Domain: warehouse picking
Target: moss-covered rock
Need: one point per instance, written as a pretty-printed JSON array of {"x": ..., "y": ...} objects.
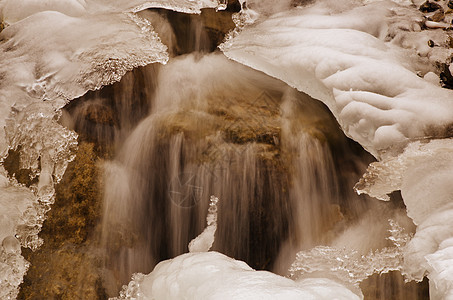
[{"x": 67, "y": 266}]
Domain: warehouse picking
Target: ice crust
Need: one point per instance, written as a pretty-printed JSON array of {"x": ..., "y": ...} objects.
[
  {"x": 361, "y": 61},
  {"x": 204, "y": 241},
  {"x": 14, "y": 10},
  {"x": 14, "y": 203},
  {"x": 211, "y": 275},
  {"x": 423, "y": 173},
  {"x": 348, "y": 266}
]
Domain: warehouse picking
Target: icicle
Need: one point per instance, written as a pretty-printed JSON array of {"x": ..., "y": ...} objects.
[
  {"x": 201, "y": 243},
  {"x": 204, "y": 241},
  {"x": 348, "y": 266}
]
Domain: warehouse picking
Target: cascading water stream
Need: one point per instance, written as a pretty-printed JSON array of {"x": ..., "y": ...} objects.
[
  {"x": 274, "y": 155},
  {"x": 172, "y": 163}
]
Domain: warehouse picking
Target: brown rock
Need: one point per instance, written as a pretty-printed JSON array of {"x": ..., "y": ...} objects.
[
  {"x": 430, "y": 7},
  {"x": 438, "y": 16},
  {"x": 67, "y": 267}
]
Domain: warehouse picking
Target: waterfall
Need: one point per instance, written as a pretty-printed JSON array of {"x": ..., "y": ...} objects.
[
  {"x": 275, "y": 157},
  {"x": 162, "y": 178},
  {"x": 243, "y": 124}
]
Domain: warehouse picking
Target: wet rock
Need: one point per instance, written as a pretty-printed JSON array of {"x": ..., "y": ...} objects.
[
  {"x": 66, "y": 274},
  {"x": 429, "y": 7},
  {"x": 202, "y": 32},
  {"x": 12, "y": 166},
  {"x": 217, "y": 25},
  {"x": 258, "y": 121},
  {"x": 446, "y": 77},
  {"x": 450, "y": 42},
  {"x": 100, "y": 114},
  {"x": 437, "y": 16},
  {"x": 234, "y": 6},
  {"x": 392, "y": 286}
]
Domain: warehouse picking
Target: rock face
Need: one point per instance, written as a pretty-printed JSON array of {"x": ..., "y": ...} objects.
[
  {"x": 428, "y": 7},
  {"x": 106, "y": 116},
  {"x": 67, "y": 265}
]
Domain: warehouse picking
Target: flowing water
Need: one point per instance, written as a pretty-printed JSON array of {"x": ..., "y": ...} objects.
[{"x": 203, "y": 125}]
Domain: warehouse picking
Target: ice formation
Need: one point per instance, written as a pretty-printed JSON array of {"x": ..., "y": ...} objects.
[
  {"x": 211, "y": 275},
  {"x": 348, "y": 266},
  {"x": 423, "y": 174},
  {"x": 14, "y": 11},
  {"x": 204, "y": 241}
]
